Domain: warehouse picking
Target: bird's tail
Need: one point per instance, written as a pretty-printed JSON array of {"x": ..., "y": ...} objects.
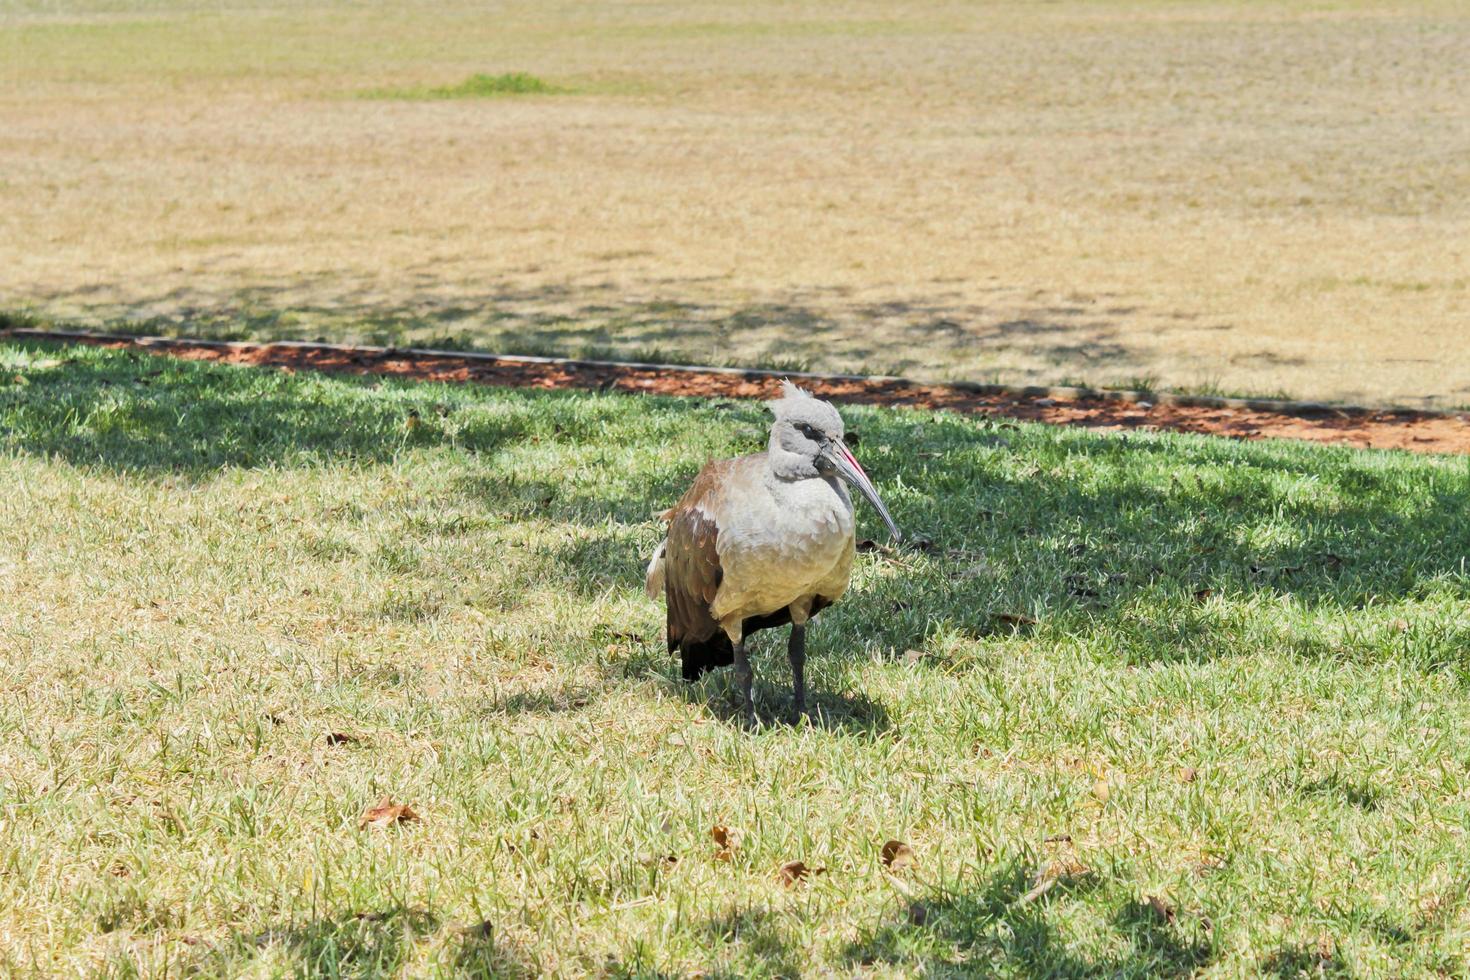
[{"x": 653, "y": 581}]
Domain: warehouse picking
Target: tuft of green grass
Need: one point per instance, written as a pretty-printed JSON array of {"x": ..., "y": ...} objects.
[
  {"x": 477, "y": 86},
  {"x": 1146, "y": 705}
]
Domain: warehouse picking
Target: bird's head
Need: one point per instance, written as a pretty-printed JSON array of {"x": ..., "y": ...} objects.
[{"x": 807, "y": 440}]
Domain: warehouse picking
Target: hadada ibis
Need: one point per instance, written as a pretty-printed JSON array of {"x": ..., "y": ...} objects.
[{"x": 761, "y": 541}]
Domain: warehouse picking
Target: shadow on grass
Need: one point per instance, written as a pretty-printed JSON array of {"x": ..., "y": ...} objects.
[
  {"x": 846, "y": 712},
  {"x": 128, "y": 411},
  {"x": 1153, "y": 547},
  {"x": 480, "y": 957},
  {"x": 756, "y": 937},
  {"x": 1304, "y": 961},
  {"x": 567, "y": 699},
  {"x": 799, "y": 331},
  {"x": 1336, "y": 787},
  {"x": 988, "y": 930},
  {"x": 992, "y": 929},
  {"x": 365, "y": 944},
  {"x": 361, "y": 944}
]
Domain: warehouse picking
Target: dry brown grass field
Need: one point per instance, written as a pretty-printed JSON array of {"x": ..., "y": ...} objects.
[{"x": 1247, "y": 197}]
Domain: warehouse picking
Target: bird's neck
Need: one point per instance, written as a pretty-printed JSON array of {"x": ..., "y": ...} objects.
[
  {"x": 794, "y": 481},
  {"x": 786, "y": 467}
]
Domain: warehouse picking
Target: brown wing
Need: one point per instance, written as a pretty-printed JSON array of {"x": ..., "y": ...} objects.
[{"x": 692, "y": 573}]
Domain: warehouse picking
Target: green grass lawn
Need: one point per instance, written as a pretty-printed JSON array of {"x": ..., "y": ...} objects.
[{"x": 1209, "y": 696}]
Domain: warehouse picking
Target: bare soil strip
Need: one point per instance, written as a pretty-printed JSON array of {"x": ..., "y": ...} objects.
[{"x": 1392, "y": 428}]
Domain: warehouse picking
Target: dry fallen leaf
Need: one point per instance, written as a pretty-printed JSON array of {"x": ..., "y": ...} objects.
[
  {"x": 1402, "y": 625},
  {"x": 386, "y": 814},
  {"x": 723, "y": 841},
  {"x": 897, "y": 855},
  {"x": 793, "y": 871},
  {"x": 341, "y": 738},
  {"x": 1200, "y": 595},
  {"x": 1188, "y": 774},
  {"x": 913, "y": 656},
  {"x": 1102, "y": 790}
]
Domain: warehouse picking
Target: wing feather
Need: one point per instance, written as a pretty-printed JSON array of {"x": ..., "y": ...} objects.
[{"x": 692, "y": 573}]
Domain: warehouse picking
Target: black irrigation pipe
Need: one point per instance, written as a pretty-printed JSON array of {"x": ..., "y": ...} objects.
[{"x": 1032, "y": 393}]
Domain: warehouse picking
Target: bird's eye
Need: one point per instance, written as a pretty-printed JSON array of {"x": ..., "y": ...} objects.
[{"x": 807, "y": 430}]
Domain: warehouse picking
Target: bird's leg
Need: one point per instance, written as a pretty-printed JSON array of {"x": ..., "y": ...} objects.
[
  {"x": 745, "y": 681},
  {"x": 801, "y": 610},
  {"x": 796, "y": 652},
  {"x": 744, "y": 675}
]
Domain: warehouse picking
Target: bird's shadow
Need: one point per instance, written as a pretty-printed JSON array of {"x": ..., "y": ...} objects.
[{"x": 831, "y": 711}]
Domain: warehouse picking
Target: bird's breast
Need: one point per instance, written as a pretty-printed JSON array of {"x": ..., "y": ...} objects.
[{"x": 800, "y": 538}]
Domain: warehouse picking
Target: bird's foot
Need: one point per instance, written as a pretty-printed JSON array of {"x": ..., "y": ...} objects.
[
  {"x": 745, "y": 707},
  {"x": 799, "y": 711}
]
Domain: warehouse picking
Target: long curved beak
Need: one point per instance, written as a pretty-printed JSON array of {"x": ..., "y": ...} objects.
[{"x": 847, "y": 467}]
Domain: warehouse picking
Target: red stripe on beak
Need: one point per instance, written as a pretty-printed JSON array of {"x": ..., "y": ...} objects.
[
  {"x": 852, "y": 471},
  {"x": 847, "y": 453}
]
